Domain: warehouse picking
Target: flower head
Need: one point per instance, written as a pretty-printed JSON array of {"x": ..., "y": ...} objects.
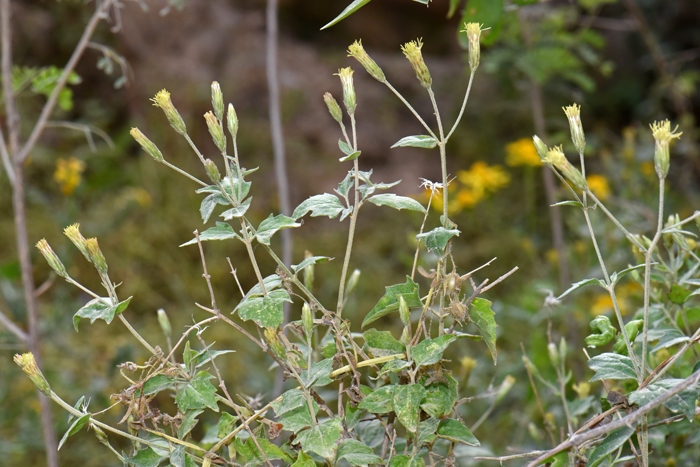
[
  {"x": 51, "y": 257},
  {"x": 573, "y": 113},
  {"x": 555, "y": 157},
  {"x": 333, "y": 107},
  {"x": 146, "y": 144},
  {"x": 28, "y": 364},
  {"x": 216, "y": 130},
  {"x": 663, "y": 135},
  {"x": 217, "y": 100},
  {"x": 232, "y": 121},
  {"x": 349, "y": 98},
  {"x": 358, "y": 52},
  {"x": 412, "y": 51},
  {"x": 74, "y": 235},
  {"x": 162, "y": 100},
  {"x": 68, "y": 174},
  {"x": 473, "y": 31},
  {"x": 96, "y": 256},
  {"x": 522, "y": 152}
]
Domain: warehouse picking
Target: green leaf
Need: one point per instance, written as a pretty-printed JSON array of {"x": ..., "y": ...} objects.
[
  {"x": 406, "y": 404},
  {"x": 352, "y": 8},
  {"x": 46, "y": 80},
  {"x": 426, "y": 431},
  {"x": 209, "y": 203},
  {"x": 436, "y": 240},
  {"x": 266, "y": 311},
  {"x": 611, "y": 366},
  {"x": 188, "y": 354},
  {"x": 417, "y": 141},
  {"x": 456, "y": 432},
  {"x": 178, "y": 456},
  {"x": 158, "y": 383},
  {"x": 396, "y": 202},
  {"x": 558, "y": 460},
  {"x": 357, "y": 453},
  {"x": 74, "y": 428},
  {"x": 304, "y": 461},
  {"x": 393, "y": 366},
  {"x": 320, "y": 205},
  {"x": 197, "y": 394},
  {"x": 481, "y": 314},
  {"x": 678, "y": 294},
  {"x": 271, "y": 225},
  {"x": 253, "y": 455},
  {"x": 189, "y": 422},
  {"x": 614, "y": 440},
  {"x": 453, "y": 8},
  {"x": 210, "y": 355},
  {"x": 145, "y": 458},
  {"x": 616, "y": 276},
  {"x": 379, "y": 401},
  {"x": 346, "y": 184},
  {"x": 567, "y": 203},
  {"x": 390, "y": 301},
  {"x": 79, "y": 407},
  {"x": 440, "y": 397},
  {"x": 296, "y": 268},
  {"x": 486, "y": 12},
  {"x": 429, "y": 351},
  {"x": 291, "y": 400},
  {"x": 683, "y": 402},
  {"x": 322, "y": 439},
  {"x": 318, "y": 374},
  {"x": 293, "y": 410},
  {"x": 238, "y": 211},
  {"x": 350, "y": 157},
  {"x": 382, "y": 343},
  {"x": 667, "y": 337},
  {"x": 353, "y": 415},
  {"x": 580, "y": 284},
  {"x": 272, "y": 282},
  {"x": 405, "y": 461},
  {"x": 222, "y": 231},
  {"x": 345, "y": 147},
  {"x": 100, "y": 308}
]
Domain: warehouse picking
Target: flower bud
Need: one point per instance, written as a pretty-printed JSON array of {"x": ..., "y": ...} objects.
[
  {"x": 73, "y": 233},
  {"x": 562, "y": 348},
  {"x": 101, "y": 436},
  {"x": 164, "y": 322},
  {"x": 28, "y": 364},
  {"x": 556, "y": 157},
  {"x": 573, "y": 113},
  {"x": 413, "y": 53},
  {"x": 217, "y": 100},
  {"x": 232, "y": 121},
  {"x": 358, "y": 52},
  {"x": 212, "y": 171},
  {"x": 333, "y": 107},
  {"x": 96, "y": 256},
  {"x": 541, "y": 148},
  {"x": 553, "y": 353},
  {"x": 405, "y": 337},
  {"x": 404, "y": 312},
  {"x": 473, "y": 31},
  {"x": 307, "y": 321},
  {"x": 216, "y": 130},
  {"x": 534, "y": 432},
  {"x": 352, "y": 282},
  {"x": 51, "y": 258},
  {"x": 349, "y": 98},
  {"x": 663, "y": 135},
  {"x": 146, "y": 144},
  {"x": 275, "y": 344},
  {"x": 505, "y": 388},
  {"x": 162, "y": 100},
  {"x": 309, "y": 272}
]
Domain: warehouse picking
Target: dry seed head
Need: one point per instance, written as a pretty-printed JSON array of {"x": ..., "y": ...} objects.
[
  {"x": 663, "y": 135},
  {"x": 358, "y": 52},
  {"x": 573, "y": 113},
  {"x": 162, "y": 100},
  {"x": 216, "y": 130},
  {"x": 73, "y": 233},
  {"x": 232, "y": 121},
  {"x": 473, "y": 31},
  {"x": 412, "y": 51},
  {"x": 28, "y": 364},
  {"x": 217, "y": 100},
  {"x": 51, "y": 257},
  {"x": 349, "y": 98},
  {"x": 146, "y": 144},
  {"x": 96, "y": 256},
  {"x": 333, "y": 107}
]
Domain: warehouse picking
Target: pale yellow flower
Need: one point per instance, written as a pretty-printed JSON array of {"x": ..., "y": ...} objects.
[
  {"x": 522, "y": 152},
  {"x": 599, "y": 186},
  {"x": 68, "y": 174}
]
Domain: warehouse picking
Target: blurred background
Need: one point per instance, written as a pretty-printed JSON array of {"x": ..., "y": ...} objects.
[{"x": 626, "y": 62}]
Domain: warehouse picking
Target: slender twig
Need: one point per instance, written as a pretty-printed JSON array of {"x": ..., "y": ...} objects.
[
  {"x": 656, "y": 374},
  {"x": 6, "y": 162},
  {"x": 500, "y": 279},
  {"x": 410, "y": 107},
  {"x": 100, "y": 14},
  {"x": 625, "y": 421},
  {"x": 13, "y": 328},
  {"x": 511, "y": 457},
  {"x": 464, "y": 105},
  {"x": 186, "y": 174},
  {"x": 88, "y": 130}
]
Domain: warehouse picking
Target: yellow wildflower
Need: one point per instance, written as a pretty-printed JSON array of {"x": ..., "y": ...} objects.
[
  {"x": 601, "y": 304},
  {"x": 482, "y": 178},
  {"x": 68, "y": 174},
  {"x": 522, "y": 152},
  {"x": 599, "y": 186}
]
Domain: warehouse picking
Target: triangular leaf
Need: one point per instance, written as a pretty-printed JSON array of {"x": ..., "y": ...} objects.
[
  {"x": 390, "y": 301},
  {"x": 611, "y": 366},
  {"x": 197, "y": 394},
  {"x": 396, "y": 202},
  {"x": 238, "y": 211},
  {"x": 429, "y": 351},
  {"x": 406, "y": 403},
  {"x": 481, "y": 314},
  {"x": 417, "y": 141},
  {"x": 357, "y": 453},
  {"x": 352, "y": 8},
  {"x": 271, "y": 225},
  {"x": 222, "y": 231},
  {"x": 614, "y": 440},
  {"x": 322, "y": 439},
  {"x": 382, "y": 343},
  {"x": 100, "y": 308},
  {"x": 145, "y": 458},
  {"x": 296, "y": 268},
  {"x": 436, "y": 240},
  {"x": 319, "y": 205},
  {"x": 266, "y": 311},
  {"x": 74, "y": 428},
  {"x": 455, "y": 431}
]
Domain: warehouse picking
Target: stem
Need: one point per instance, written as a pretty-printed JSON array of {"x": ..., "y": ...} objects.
[
  {"x": 138, "y": 337},
  {"x": 398, "y": 94},
  {"x": 464, "y": 105},
  {"x": 251, "y": 255},
  {"x": 178, "y": 169},
  {"x": 617, "y": 223}
]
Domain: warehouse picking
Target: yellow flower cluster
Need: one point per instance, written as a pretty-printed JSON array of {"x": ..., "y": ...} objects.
[
  {"x": 599, "y": 186},
  {"x": 522, "y": 152},
  {"x": 473, "y": 186},
  {"x": 68, "y": 174}
]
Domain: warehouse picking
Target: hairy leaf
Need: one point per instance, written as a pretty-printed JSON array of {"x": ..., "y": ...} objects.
[
  {"x": 481, "y": 314},
  {"x": 197, "y": 394},
  {"x": 390, "y": 301},
  {"x": 357, "y": 453},
  {"x": 319, "y": 205},
  {"x": 382, "y": 343},
  {"x": 380, "y": 401},
  {"x": 323, "y": 438},
  {"x": 74, "y": 428},
  {"x": 158, "y": 383},
  {"x": 145, "y": 458},
  {"x": 266, "y": 311},
  {"x": 436, "y": 240},
  {"x": 304, "y": 461},
  {"x": 222, "y": 231},
  {"x": 406, "y": 403},
  {"x": 454, "y": 431},
  {"x": 614, "y": 440},
  {"x": 429, "y": 351},
  {"x": 272, "y": 225},
  {"x": 611, "y": 366},
  {"x": 318, "y": 374},
  {"x": 100, "y": 308},
  {"x": 396, "y": 202},
  {"x": 296, "y": 268},
  {"x": 683, "y": 402},
  {"x": 426, "y": 431},
  {"x": 405, "y": 461},
  {"x": 238, "y": 211},
  {"x": 189, "y": 422},
  {"x": 352, "y": 8},
  {"x": 417, "y": 141},
  {"x": 580, "y": 284}
]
